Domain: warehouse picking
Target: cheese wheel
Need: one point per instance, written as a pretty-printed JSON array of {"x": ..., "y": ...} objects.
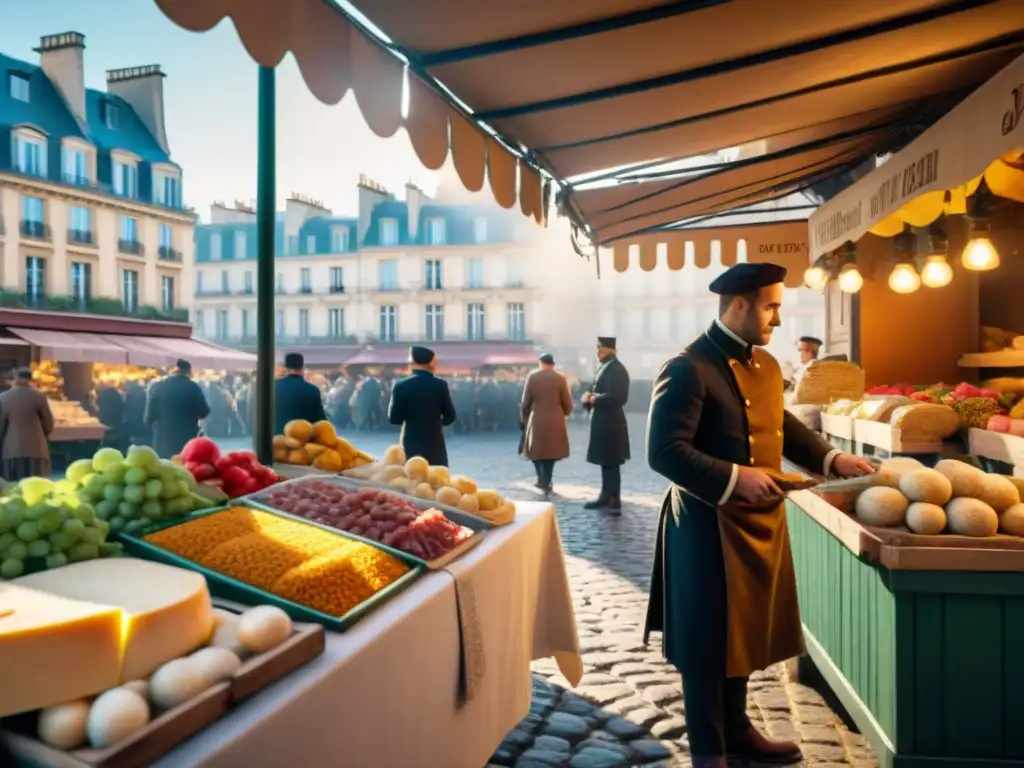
[
  {"x": 167, "y": 610},
  {"x": 54, "y": 650}
]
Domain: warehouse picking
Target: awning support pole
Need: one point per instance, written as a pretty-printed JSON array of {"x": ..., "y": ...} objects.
[{"x": 266, "y": 204}]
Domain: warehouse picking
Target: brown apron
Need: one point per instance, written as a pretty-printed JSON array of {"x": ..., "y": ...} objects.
[{"x": 763, "y": 615}]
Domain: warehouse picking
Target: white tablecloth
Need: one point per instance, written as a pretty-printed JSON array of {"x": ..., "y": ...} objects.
[{"x": 385, "y": 693}]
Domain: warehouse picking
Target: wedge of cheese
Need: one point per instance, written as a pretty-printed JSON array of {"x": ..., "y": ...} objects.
[
  {"x": 167, "y": 611},
  {"x": 54, "y": 650}
]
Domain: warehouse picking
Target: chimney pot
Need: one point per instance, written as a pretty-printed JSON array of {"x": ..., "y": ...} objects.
[
  {"x": 143, "y": 89},
  {"x": 61, "y": 40},
  {"x": 61, "y": 59}
]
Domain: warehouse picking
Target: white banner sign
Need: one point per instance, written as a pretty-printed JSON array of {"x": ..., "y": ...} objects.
[{"x": 959, "y": 147}]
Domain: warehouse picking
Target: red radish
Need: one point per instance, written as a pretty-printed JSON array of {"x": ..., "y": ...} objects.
[{"x": 200, "y": 450}]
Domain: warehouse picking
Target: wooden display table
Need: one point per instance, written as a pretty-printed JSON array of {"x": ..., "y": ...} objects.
[
  {"x": 921, "y": 643},
  {"x": 69, "y": 442}
]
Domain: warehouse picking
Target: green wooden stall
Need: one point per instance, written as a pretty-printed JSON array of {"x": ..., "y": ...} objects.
[{"x": 929, "y": 662}]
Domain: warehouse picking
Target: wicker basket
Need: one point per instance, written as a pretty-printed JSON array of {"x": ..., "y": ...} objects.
[{"x": 828, "y": 380}]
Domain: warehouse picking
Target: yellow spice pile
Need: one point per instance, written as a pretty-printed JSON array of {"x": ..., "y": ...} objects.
[{"x": 292, "y": 560}]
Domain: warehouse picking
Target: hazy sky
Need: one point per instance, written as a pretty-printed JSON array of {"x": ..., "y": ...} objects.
[{"x": 210, "y": 104}]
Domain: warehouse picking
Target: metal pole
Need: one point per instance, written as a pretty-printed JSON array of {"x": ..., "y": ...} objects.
[{"x": 266, "y": 204}]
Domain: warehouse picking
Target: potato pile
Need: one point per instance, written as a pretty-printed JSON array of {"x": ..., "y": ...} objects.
[
  {"x": 317, "y": 445},
  {"x": 952, "y": 498},
  {"x": 415, "y": 477}
]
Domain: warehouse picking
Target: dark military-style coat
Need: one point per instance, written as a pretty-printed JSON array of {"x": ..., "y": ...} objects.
[
  {"x": 609, "y": 434},
  {"x": 701, "y": 424},
  {"x": 422, "y": 404}
]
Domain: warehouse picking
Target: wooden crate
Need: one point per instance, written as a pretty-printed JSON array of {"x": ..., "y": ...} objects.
[
  {"x": 996, "y": 446},
  {"x": 883, "y": 436},
  {"x": 927, "y": 663}
]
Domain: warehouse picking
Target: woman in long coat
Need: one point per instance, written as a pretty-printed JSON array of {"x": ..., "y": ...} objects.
[
  {"x": 25, "y": 424},
  {"x": 545, "y": 406}
]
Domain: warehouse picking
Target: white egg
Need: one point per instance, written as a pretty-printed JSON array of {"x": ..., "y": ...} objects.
[
  {"x": 222, "y": 616},
  {"x": 263, "y": 627},
  {"x": 63, "y": 726},
  {"x": 226, "y": 636},
  {"x": 138, "y": 687},
  {"x": 215, "y": 664},
  {"x": 115, "y": 716},
  {"x": 175, "y": 682}
]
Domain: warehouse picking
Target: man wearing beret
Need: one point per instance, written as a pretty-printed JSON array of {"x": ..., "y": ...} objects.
[
  {"x": 723, "y": 590},
  {"x": 294, "y": 397},
  {"x": 609, "y": 434},
  {"x": 422, "y": 404}
]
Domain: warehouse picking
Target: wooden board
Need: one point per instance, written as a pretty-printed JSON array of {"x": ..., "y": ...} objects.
[
  {"x": 854, "y": 536},
  {"x": 999, "y": 447},
  {"x": 179, "y": 724},
  {"x": 837, "y": 426},
  {"x": 889, "y": 438}
]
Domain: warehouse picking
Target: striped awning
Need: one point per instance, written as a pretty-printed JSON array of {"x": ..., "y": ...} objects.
[{"x": 521, "y": 93}]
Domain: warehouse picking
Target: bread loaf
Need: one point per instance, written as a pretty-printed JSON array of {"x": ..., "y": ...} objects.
[
  {"x": 880, "y": 408},
  {"x": 925, "y": 422}
]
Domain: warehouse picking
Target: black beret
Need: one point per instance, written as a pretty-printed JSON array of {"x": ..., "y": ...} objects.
[
  {"x": 747, "y": 278},
  {"x": 421, "y": 355},
  {"x": 293, "y": 361},
  {"x": 547, "y": 358},
  {"x": 811, "y": 340},
  {"x": 606, "y": 341}
]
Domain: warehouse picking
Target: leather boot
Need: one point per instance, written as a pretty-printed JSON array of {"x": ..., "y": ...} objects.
[
  {"x": 719, "y": 761},
  {"x": 599, "y": 503},
  {"x": 614, "y": 504},
  {"x": 752, "y": 746}
]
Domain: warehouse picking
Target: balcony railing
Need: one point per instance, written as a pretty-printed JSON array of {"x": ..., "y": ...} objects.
[
  {"x": 131, "y": 247},
  {"x": 93, "y": 305},
  {"x": 337, "y": 289},
  {"x": 80, "y": 237},
  {"x": 35, "y": 230},
  {"x": 166, "y": 253},
  {"x": 306, "y": 289}
]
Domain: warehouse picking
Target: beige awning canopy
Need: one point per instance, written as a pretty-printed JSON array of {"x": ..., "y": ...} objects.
[{"x": 576, "y": 87}]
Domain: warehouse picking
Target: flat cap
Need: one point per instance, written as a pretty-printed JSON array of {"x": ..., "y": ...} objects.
[
  {"x": 811, "y": 340},
  {"x": 421, "y": 355},
  {"x": 606, "y": 341},
  {"x": 547, "y": 358},
  {"x": 747, "y": 278}
]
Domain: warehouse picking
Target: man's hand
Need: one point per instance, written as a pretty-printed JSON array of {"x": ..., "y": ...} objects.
[
  {"x": 588, "y": 398},
  {"x": 851, "y": 465},
  {"x": 755, "y": 485}
]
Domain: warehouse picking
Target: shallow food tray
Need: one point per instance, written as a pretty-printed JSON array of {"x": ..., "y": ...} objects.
[
  {"x": 176, "y": 725},
  {"x": 232, "y": 589},
  {"x": 478, "y": 525}
]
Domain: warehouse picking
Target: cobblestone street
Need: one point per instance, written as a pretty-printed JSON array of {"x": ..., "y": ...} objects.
[{"x": 628, "y": 709}]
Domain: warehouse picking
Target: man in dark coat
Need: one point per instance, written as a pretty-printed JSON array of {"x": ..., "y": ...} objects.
[
  {"x": 422, "y": 404},
  {"x": 723, "y": 590},
  {"x": 174, "y": 408},
  {"x": 294, "y": 397},
  {"x": 609, "y": 434}
]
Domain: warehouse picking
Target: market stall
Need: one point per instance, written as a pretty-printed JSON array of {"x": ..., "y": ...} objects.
[{"x": 912, "y": 592}]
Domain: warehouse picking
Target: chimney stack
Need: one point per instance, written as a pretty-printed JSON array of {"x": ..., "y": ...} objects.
[
  {"x": 143, "y": 89},
  {"x": 61, "y": 57}
]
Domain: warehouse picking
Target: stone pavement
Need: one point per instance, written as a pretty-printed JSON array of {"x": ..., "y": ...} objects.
[{"x": 628, "y": 709}]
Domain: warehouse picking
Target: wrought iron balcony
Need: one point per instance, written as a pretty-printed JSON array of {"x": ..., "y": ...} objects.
[
  {"x": 166, "y": 253},
  {"x": 35, "y": 230},
  {"x": 80, "y": 237},
  {"x": 131, "y": 247}
]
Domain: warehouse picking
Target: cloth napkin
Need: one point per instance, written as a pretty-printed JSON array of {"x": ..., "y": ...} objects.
[{"x": 473, "y": 664}]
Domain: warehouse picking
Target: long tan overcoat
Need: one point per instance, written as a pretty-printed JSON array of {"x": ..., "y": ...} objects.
[
  {"x": 546, "y": 404},
  {"x": 25, "y": 423}
]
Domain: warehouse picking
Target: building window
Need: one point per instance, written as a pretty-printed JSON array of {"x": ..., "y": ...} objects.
[
  {"x": 279, "y": 323},
  {"x": 388, "y": 323},
  {"x": 167, "y": 293},
  {"x": 167, "y": 190},
  {"x": 240, "y": 245},
  {"x": 248, "y": 281},
  {"x": 125, "y": 178},
  {"x": 280, "y": 282},
  {"x": 111, "y": 115},
  {"x": 215, "y": 244},
  {"x": 245, "y": 324},
  {"x": 222, "y": 324},
  {"x": 517, "y": 321},
  {"x": 480, "y": 229},
  {"x": 434, "y": 282},
  {"x": 336, "y": 323},
  {"x": 388, "y": 232},
  {"x": 199, "y": 282},
  {"x": 388, "y": 269},
  {"x": 19, "y": 87},
  {"x": 81, "y": 283},
  {"x": 435, "y": 231},
  {"x": 81, "y": 225},
  {"x": 130, "y": 290},
  {"x": 33, "y": 209},
  {"x": 75, "y": 165},
  {"x": 475, "y": 329},
  {"x": 29, "y": 155},
  {"x": 129, "y": 229},
  {"x": 167, "y": 243},
  {"x": 435, "y": 322},
  {"x": 201, "y": 322},
  {"x": 513, "y": 273},
  {"x": 225, "y": 281},
  {"x": 475, "y": 273},
  {"x": 310, "y": 244},
  {"x": 341, "y": 240},
  {"x": 305, "y": 280},
  {"x": 35, "y": 279},
  {"x": 337, "y": 280},
  {"x": 304, "y": 323}
]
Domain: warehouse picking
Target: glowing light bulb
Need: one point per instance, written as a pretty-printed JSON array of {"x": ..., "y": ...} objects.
[
  {"x": 936, "y": 272},
  {"x": 850, "y": 280},
  {"x": 904, "y": 279},
  {"x": 815, "y": 278},
  {"x": 979, "y": 254}
]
